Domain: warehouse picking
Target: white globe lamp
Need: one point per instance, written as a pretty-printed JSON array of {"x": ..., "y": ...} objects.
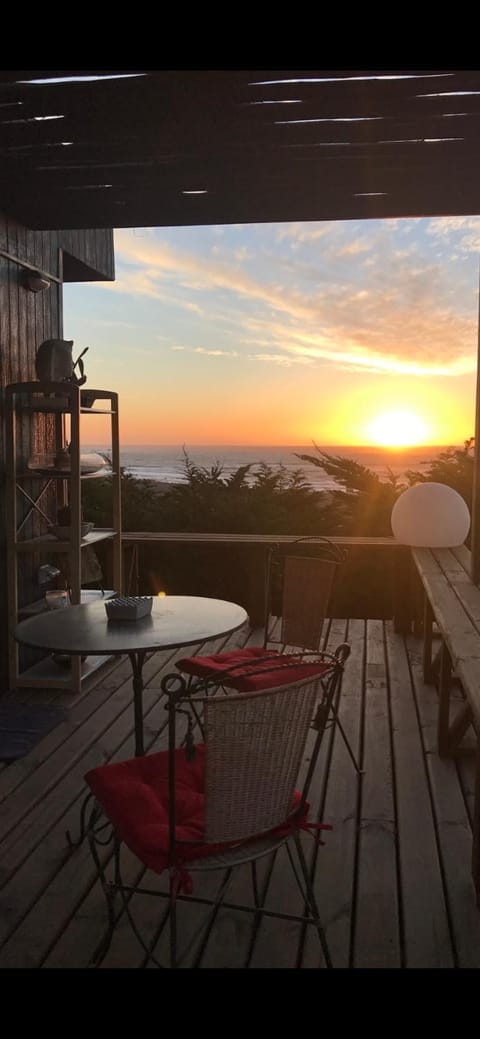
[{"x": 430, "y": 515}]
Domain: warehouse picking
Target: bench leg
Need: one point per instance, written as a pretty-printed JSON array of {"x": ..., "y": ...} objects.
[
  {"x": 445, "y": 678},
  {"x": 459, "y": 726},
  {"x": 476, "y": 830},
  {"x": 449, "y": 735},
  {"x": 427, "y": 641}
]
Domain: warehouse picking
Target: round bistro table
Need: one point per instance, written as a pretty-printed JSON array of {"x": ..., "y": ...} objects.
[{"x": 175, "y": 620}]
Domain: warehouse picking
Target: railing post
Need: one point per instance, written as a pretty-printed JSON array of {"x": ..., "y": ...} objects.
[
  {"x": 403, "y": 591},
  {"x": 255, "y": 583}
]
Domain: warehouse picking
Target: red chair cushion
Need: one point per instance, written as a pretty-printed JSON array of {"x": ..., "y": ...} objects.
[
  {"x": 253, "y": 669},
  {"x": 134, "y": 796},
  {"x": 218, "y": 662}
]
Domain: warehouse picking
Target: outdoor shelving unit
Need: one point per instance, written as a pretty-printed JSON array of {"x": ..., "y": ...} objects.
[{"x": 33, "y": 497}]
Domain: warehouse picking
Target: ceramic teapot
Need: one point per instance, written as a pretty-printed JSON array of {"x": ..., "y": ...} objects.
[{"x": 54, "y": 362}]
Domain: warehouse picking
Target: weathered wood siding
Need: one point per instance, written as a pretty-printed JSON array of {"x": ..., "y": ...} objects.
[{"x": 26, "y": 319}]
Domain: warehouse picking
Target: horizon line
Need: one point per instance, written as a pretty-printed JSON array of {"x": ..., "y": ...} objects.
[{"x": 395, "y": 449}]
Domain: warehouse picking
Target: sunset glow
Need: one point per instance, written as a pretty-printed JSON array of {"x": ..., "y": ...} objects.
[
  {"x": 398, "y": 429},
  {"x": 343, "y": 332}
]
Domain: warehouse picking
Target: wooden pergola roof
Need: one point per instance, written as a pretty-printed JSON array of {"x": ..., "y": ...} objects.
[
  {"x": 179, "y": 147},
  {"x": 106, "y": 148}
]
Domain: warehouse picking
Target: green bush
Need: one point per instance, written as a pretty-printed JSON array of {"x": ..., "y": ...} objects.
[{"x": 261, "y": 499}]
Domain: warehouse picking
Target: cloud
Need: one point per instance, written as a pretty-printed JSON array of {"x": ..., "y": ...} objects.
[
  {"x": 284, "y": 360},
  {"x": 446, "y": 225},
  {"x": 244, "y": 253},
  {"x": 359, "y": 245},
  {"x": 204, "y": 350},
  {"x": 105, "y": 323},
  {"x": 463, "y": 230},
  {"x": 193, "y": 307},
  {"x": 300, "y": 233},
  {"x": 201, "y": 274},
  {"x": 214, "y": 353},
  {"x": 403, "y": 316},
  {"x": 134, "y": 283}
]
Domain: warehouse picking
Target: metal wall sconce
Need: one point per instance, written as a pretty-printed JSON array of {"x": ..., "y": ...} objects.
[{"x": 36, "y": 282}]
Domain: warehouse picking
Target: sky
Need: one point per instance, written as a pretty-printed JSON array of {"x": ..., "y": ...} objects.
[{"x": 346, "y": 333}]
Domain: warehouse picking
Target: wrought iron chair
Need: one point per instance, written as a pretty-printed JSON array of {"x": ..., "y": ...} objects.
[
  {"x": 298, "y": 593},
  {"x": 224, "y": 802}
]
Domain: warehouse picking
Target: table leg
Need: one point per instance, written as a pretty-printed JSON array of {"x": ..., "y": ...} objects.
[{"x": 137, "y": 661}]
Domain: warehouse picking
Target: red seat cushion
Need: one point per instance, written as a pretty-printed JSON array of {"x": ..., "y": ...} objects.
[
  {"x": 218, "y": 662},
  {"x": 249, "y": 670},
  {"x": 134, "y": 796}
]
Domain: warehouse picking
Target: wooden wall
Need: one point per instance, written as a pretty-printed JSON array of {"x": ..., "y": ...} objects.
[{"x": 26, "y": 319}]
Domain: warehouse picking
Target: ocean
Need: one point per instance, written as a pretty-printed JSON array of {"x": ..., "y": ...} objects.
[{"x": 165, "y": 463}]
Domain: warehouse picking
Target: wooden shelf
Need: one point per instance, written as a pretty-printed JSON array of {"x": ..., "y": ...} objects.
[
  {"x": 46, "y": 674},
  {"x": 61, "y": 474},
  {"x": 97, "y": 411},
  {"x": 87, "y": 595},
  {"x": 61, "y": 406},
  {"x": 50, "y": 543},
  {"x": 43, "y": 493},
  {"x": 60, "y": 397}
]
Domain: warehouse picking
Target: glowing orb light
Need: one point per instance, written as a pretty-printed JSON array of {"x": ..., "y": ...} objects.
[{"x": 431, "y": 515}]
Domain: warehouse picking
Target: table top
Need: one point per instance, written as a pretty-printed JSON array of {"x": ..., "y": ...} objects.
[{"x": 175, "y": 620}]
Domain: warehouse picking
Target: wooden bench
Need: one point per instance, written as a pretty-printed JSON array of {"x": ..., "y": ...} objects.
[{"x": 453, "y": 602}]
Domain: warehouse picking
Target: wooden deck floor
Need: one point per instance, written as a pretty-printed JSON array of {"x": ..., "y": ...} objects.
[{"x": 393, "y": 879}]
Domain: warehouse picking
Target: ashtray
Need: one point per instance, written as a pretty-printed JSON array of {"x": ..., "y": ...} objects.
[{"x": 131, "y": 608}]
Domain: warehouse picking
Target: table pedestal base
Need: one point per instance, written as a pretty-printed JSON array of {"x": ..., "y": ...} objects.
[{"x": 137, "y": 660}]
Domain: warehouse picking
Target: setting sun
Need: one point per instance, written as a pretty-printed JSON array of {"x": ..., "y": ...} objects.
[{"x": 398, "y": 429}]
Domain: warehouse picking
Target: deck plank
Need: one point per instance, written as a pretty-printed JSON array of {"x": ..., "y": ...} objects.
[
  {"x": 335, "y": 873},
  {"x": 393, "y": 879},
  {"x": 452, "y": 824},
  {"x": 425, "y": 925},
  {"x": 377, "y": 925}
]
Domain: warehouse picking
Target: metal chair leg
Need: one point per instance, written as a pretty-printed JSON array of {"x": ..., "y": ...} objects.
[
  {"x": 309, "y": 896},
  {"x": 172, "y": 901},
  {"x": 109, "y": 891},
  {"x": 259, "y": 897},
  {"x": 83, "y": 829},
  {"x": 106, "y": 940},
  {"x": 359, "y": 771}
]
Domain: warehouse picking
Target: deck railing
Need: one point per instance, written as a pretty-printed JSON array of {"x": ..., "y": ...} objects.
[{"x": 378, "y": 578}]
